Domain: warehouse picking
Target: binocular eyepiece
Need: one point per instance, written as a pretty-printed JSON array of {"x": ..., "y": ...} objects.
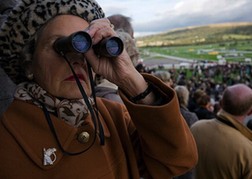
[{"x": 81, "y": 42}]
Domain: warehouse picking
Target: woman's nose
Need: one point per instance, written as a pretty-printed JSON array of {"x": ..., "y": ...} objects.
[{"x": 76, "y": 59}]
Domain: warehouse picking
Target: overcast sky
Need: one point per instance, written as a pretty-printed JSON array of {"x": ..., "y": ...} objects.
[{"x": 154, "y": 16}]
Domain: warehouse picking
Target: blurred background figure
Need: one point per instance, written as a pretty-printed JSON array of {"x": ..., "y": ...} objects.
[
  {"x": 130, "y": 46},
  {"x": 183, "y": 97},
  {"x": 190, "y": 117},
  {"x": 106, "y": 89},
  {"x": 225, "y": 143},
  {"x": 122, "y": 22},
  {"x": 165, "y": 76},
  {"x": 195, "y": 95},
  {"x": 140, "y": 67},
  {"x": 205, "y": 109}
]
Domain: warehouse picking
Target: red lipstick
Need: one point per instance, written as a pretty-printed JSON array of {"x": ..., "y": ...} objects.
[{"x": 71, "y": 78}]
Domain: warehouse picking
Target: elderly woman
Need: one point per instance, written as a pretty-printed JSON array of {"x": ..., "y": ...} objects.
[{"x": 56, "y": 128}]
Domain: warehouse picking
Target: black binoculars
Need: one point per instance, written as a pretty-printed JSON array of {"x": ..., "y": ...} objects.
[{"x": 81, "y": 42}]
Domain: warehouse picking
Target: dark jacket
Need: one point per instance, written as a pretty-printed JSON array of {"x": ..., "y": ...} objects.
[
  {"x": 203, "y": 113},
  {"x": 190, "y": 117}
]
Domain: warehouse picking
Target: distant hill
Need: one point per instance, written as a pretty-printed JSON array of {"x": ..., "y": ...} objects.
[{"x": 213, "y": 33}]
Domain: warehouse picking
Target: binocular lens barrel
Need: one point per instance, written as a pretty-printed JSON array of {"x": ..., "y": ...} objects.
[
  {"x": 80, "y": 42},
  {"x": 109, "y": 47}
]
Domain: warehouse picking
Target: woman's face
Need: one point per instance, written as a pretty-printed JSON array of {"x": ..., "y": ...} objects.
[{"x": 50, "y": 69}]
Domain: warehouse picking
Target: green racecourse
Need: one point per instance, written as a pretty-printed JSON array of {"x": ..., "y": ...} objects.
[{"x": 232, "y": 51}]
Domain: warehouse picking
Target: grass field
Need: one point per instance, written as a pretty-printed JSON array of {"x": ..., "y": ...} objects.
[{"x": 231, "y": 51}]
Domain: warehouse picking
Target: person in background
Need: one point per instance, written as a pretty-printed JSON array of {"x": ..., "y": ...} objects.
[
  {"x": 194, "y": 96},
  {"x": 205, "y": 109},
  {"x": 183, "y": 97},
  {"x": 141, "y": 68},
  {"x": 190, "y": 117},
  {"x": 165, "y": 76},
  {"x": 106, "y": 89},
  {"x": 122, "y": 22},
  {"x": 225, "y": 143},
  {"x": 57, "y": 128}
]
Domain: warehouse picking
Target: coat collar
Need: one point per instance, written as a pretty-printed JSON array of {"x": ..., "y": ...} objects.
[{"x": 236, "y": 124}]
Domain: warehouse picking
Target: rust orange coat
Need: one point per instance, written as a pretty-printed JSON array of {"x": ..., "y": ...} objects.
[{"x": 152, "y": 140}]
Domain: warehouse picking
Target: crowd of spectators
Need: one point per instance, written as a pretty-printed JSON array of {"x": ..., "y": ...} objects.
[
  {"x": 206, "y": 83},
  {"x": 201, "y": 92}
]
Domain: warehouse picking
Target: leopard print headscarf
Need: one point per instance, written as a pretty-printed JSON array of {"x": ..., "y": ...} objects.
[{"x": 24, "y": 21}]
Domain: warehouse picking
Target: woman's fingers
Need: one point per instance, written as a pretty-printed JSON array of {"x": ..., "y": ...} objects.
[{"x": 100, "y": 29}]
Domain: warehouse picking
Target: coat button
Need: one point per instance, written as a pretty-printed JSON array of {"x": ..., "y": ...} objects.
[{"x": 83, "y": 137}]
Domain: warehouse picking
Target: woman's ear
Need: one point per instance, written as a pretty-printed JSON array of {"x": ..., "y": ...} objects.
[{"x": 28, "y": 70}]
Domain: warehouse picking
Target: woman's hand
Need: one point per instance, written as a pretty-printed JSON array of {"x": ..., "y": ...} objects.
[
  {"x": 113, "y": 68},
  {"x": 119, "y": 70}
]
